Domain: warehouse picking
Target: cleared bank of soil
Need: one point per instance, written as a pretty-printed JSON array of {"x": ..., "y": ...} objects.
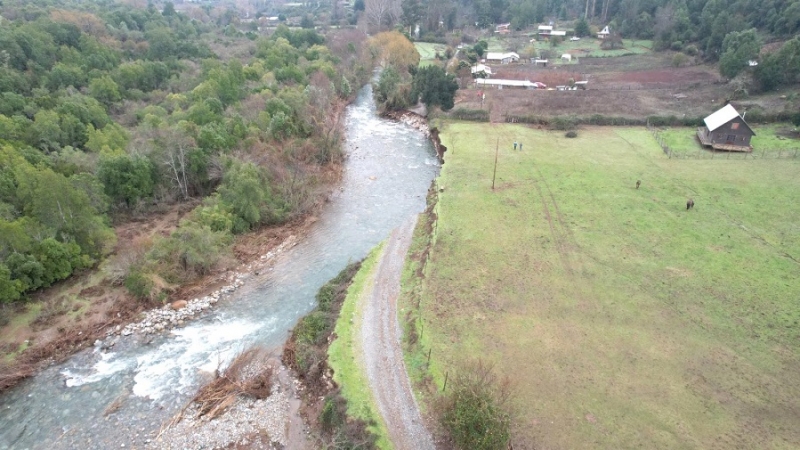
[{"x": 628, "y": 86}]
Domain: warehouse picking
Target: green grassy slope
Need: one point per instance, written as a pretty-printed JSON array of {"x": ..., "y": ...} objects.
[{"x": 624, "y": 320}]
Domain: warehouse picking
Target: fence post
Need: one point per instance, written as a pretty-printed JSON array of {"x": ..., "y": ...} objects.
[{"x": 444, "y": 388}]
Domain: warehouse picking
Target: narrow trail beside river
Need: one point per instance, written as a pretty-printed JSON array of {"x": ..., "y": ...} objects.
[{"x": 383, "y": 356}]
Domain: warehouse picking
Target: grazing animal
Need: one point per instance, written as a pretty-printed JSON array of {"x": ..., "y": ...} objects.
[
  {"x": 689, "y": 204},
  {"x": 638, "y": 182}
]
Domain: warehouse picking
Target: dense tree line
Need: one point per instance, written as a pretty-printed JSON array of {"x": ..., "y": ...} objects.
[
  {"x": 709, "y": 29},
  {"x": 701, "y": 21},
  {"x": 401, "y": 83},
  {"x": 108, "y": 110}
]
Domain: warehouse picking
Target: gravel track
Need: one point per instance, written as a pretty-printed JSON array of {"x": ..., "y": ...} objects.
[{"x": 383, "y": 357}]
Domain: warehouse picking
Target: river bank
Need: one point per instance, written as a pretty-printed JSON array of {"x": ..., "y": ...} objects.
[{"x": 125, "y": 392}]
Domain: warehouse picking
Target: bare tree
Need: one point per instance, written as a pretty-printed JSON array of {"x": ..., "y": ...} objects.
[
  {"x": 322, "y": 113},
  {"x": 174, "y": 148},
  {"x": 381, "y": 13}
]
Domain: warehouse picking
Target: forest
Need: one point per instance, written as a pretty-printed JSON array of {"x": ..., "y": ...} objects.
[{"x": 110, "y": 112}]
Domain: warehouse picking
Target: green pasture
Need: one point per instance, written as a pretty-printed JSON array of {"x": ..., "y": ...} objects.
[
  {"x": 622, "y": 319},
  {"x": 589, "y": 47},
  {"x": 427, "y": 52},
  {"x": 769, "y": 138},
  {"x": 345, "y": 354}
]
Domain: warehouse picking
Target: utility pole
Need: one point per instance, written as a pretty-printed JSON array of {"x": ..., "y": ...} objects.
[{"x": 496, "y": 148}]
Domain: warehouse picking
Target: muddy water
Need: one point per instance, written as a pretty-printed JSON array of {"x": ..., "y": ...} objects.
[{"x": 119, "y": 397}]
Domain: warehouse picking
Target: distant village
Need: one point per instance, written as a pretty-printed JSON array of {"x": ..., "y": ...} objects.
[{"x": 482, "y": 71}]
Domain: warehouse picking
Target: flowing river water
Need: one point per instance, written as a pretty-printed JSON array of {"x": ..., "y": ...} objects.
[{"x": 387, "y": 173}]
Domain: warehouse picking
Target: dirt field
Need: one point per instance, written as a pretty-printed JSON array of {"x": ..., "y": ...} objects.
[{"x": 629, "y": 86}]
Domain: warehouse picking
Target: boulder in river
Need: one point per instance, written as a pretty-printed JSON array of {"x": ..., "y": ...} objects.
[{"x": 180, "y": 304}]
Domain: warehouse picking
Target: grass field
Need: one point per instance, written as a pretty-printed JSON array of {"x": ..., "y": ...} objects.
[
  {"x": 344, "y": 354},
  {"x": 427, "y": 52},
  {"x": 623, "y": 319},
  {"x": 769, "y": 139},
  {"x": 590, "y": 47}
]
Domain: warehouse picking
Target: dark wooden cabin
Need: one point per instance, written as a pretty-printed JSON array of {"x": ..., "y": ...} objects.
[{"x": 726, "y": 130}]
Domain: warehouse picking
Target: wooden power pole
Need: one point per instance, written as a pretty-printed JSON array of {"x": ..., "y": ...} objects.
[{"x": 496, "y": 148}]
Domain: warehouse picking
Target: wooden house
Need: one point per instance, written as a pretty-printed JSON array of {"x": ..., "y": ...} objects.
[
  {"x": 502, "y": 58},
  {"x": 602, "y": 34},
  {"x": 481, "y": 70},
  {"x": 503, "y": 28},
  {"x": 726, "y": 130},
  {"x": 545, "y": 30}
]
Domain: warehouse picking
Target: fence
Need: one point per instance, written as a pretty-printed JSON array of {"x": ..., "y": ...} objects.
[{"x": 705, "y": 153}]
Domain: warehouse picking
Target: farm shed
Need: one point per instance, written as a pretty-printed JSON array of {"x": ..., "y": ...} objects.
[
  {"x": 481, "y": 70},
  {"x": 503, "y": 28},
  {"x": 603, "y": 33},
  {"x": 726, "y": 130},
  {"x": 502, "y": 58}
]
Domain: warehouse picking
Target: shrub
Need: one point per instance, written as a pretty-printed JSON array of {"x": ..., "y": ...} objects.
[
  {"x": 475, "y": 411},
  {"x": 564, "y": 122},
  {"x": 679, "y": 60},
  {"x": 571, "y": 134},
  {"x": 676, "y": 46},
  {"x": 691, "y": 50},
  {"x": 475, "y": 115},
  {"x": 139, "y": 284}
]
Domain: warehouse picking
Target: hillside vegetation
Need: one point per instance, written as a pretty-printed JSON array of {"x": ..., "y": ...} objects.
[
  {"x": 110, "y": 112},
  {"x": 622, "y": 319}
]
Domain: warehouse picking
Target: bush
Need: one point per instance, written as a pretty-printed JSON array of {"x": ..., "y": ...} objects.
[
  {"x": 475, "y": 115},
  {"x": 691, "y": 50},
  {"x": 676, "y": 46},
  {"x": 139, "y": 284},
  {"x": 679, "y": 60},
  {"x": 344, "y": 432},
  {"x": 571, "y": 134},
  {"x": 475, "y": 411},
  {"x": 564, "y": 122}
]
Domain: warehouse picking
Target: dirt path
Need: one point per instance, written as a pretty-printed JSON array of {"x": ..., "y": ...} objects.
[{"x": 380, "y": 340}]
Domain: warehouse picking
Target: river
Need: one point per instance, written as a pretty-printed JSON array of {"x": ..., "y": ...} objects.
[{"x": 145, "y": 382}]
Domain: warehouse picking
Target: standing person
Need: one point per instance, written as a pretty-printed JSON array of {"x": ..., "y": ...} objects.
[
  {"x": 515, "y": 145},
  {"x": 520, "y": 146}
]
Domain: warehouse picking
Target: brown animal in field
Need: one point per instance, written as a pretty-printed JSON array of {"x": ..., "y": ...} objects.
[
  {"x": 638, "y": 182},
  {"x": 689, "y": 204}
]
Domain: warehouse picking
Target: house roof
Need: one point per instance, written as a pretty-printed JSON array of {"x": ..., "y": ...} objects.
[
  {"x": 722, "y": 116},
  {"x": 545, "y": 28},
  {"x": 558, "y": 33},
  {"x": 604, "y": 30},
  {"x": 481, "y": 68},
  {"x": 496, "y": 82},
  {"x": 501, "y": 56}
]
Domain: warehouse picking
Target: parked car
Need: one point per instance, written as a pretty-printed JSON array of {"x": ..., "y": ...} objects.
[
  {"x": 574, "y": 38},
  {"x": 539, "y": 85}
]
